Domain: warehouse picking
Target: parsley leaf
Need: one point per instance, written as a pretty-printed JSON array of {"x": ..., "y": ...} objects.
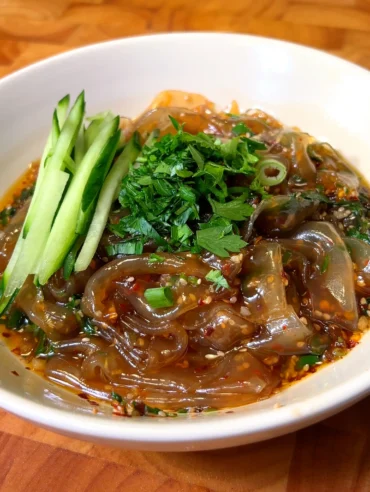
[
  {"x": 216, "y": 277},
  {"x": 153, "y": 258},
  {"x": 240, "y": 129},
  {"x": 214, "y": 240},
  {"x": 233, "y": 210}
]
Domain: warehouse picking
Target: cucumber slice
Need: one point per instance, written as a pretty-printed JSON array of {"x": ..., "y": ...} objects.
[
  {"x": 68, "y": 134},
  {"x": 70, "y": 164},
  {"x": 69, "y": 262},
  {"x": 61, "y": 150},
  {"x": 107, "y": 195},
  {"x": 62, "y": 110},
  {"x": 96, "y": 126},
  {"x": 62, "y": 235},
  {"x": 50, "y": 143},
  {"x": 80, "y": 146},
  {"x": 32, "y": 246}
]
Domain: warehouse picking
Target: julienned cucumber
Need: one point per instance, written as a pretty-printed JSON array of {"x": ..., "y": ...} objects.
[
  {"x": 63, "y": 232},
  {"x": 59, "y": 152},
  {"x": 94, "y": 184},
  {"x": 62, "y": 110},
  {"x": 74, "y": 166},
  {"x": 32, "y": 246},
  {"x": 50, "y": 143},
  {"x": 107, "y": 195}
]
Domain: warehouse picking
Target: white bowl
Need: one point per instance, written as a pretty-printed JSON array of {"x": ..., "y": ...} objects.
[{"x": 324, "y": 95}]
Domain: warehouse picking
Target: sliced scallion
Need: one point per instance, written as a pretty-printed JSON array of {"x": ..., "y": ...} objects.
[
  {"x": 270, "y": 172},
  {"x": 159, "y": 297}
]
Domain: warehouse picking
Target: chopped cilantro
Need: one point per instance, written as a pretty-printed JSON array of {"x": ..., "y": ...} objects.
[
  {"x": 88, "y": 328},
  {"x": 153, "y": 258},
  {"x": 325, "y": 264},
  {"x": 117, "y": 397},
  {"x": 214, "y": 240},
  {"x": 216, "y": 277},
  {"x": 234, "y": 210},
  {"x": 181, "y": 180},
  {"x": 240, "y": 129}
]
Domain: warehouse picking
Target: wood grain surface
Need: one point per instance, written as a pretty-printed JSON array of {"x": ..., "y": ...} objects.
[{"x": 333, "y": 455}]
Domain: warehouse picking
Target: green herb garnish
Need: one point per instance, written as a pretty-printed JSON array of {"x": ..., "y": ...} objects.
[
  {"x": 154, "y": 258},
  {"x": 159, "y": 297},
  {"x": 180, "y": 180},
  {"x": 325, "y": 264},
  {"x": 311, "y": 360},
  {"x": 216, "y": 277}
]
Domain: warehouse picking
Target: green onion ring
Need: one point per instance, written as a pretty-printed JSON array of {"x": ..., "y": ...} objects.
[{"x": 272, "y": 164}]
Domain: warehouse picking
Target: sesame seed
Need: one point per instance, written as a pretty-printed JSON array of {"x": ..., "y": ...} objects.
[
  {"x": 182, "y": 281},
  {"x": 244, "y": 311},
  {"x": 233, "y": 299},
  {"x": 303, "y": 320},
  {"x": 300, "y": 344},
  {"x": 360, "y": 282},
  {"x": 237, "y": 258},
  {"x": 199, "y": 281},
  {"x": 162, "y": 414},
  {"x": 211, "y": 356},
  {"x": 363, "y": 301},
  {"x": 306, "y": 367},
  {"x": 207, "y": 300},
  {"x": 326, "y": 316},
  {"x": 85, "y": 339},
  {"x": 131, "y": 279}
]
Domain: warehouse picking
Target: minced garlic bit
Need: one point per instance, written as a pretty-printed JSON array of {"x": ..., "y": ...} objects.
[
  {"x": 237, "y": 258},
  {"x": 363, "y": 323},
  {"x": 244, "y": 311},
  {"x": 360, "y": 282}
]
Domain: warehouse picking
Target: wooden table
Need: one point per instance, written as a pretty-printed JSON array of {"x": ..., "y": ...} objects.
[{"x": 333, "y": 455}]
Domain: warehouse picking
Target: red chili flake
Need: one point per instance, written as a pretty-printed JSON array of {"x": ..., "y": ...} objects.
[
  {"x": 15, "y": 373},
  {"x": 200, "y": 302},
  {"x": 226, "y": 269},
  {"x": 351, "y": 344},
  {"x": 83, "y": 396},
  {"x": 136, "y": 287},
  {"x": 209, "y": 331},
  {"x": 285, "y": 327},
  {"x": 6, "y": 335},
  {"x": 28, "y": 368},
  {"x": 16, "y": 351},
  {"x": 93, "y": 403}
]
